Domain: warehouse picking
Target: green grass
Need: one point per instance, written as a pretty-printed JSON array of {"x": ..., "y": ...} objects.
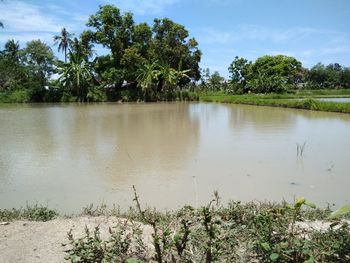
[
  {"x": 235, "y": 232},
  {"x": 279, "y": 100},
  {"x": 216, "y": 232},
  {"x": 17, "y": 96},
  {"x": 31, "y": 213}
]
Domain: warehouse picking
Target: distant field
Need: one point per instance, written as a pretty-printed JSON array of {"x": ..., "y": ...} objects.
[{"x": 284, "y": 100}]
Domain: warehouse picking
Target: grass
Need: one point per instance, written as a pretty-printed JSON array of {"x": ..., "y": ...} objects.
[
  {"x": 236, "y": 232},
  {"x": 278, "y": 100},
  {"x": 31, "y": 213},
  {"x": 216, "y": 232},
  {"x": 17, "y": 96}
]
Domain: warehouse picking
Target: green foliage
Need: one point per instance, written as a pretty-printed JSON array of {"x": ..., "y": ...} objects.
[
  {"x": 40, "y": 59},
  {"x": 240, "y": 70},
  {"x": 333, "y": 76},
  {"x": 212, "y": 82},
  {"x": 164, "y": 49},
  {"x": 237, "y": 232},
  {"x": 275, "y": 100},
  {"x": 130, "y": 46},
  {"x": 16, "y": 96},
  {"x": 340, "y": 212},
  {"x": 279, "y": 239},
  {"x": 32, "y": 213},
  {"x": 96, "y": 95},
  {"x": 122, "y": 246},
  {"x": 267, "y": 74},
  {"x": 76, "y": 76},
  {"x": 171, "y": 46},
  {"x": 64, "y": 41}
]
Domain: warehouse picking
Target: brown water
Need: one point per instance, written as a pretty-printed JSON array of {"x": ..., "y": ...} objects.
[{"x": 68, "y": 156}]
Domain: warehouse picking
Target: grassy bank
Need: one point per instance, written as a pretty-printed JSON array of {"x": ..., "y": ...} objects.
[
  {"x": 98, "y": 95},
  {"x": 233, "y": 232},
  {"x": 283, "y": 100}
]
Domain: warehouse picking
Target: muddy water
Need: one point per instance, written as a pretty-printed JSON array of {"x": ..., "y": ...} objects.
[{"x": 67, "y": 156}]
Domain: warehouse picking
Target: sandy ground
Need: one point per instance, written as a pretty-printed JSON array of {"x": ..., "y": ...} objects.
[{"x": 27, "y": 241}]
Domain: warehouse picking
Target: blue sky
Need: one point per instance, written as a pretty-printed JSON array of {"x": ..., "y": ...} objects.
[{"x": 310, "y": 30}]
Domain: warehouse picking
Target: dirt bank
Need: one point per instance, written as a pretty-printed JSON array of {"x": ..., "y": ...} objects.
[{"x": 28, "y": 241}]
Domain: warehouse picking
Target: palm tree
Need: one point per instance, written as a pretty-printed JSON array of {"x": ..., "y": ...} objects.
[
  {"x": 12, "y": 50},
  {"x": 76, "y": 75},
  {"x": 148, "y": 77},
  {"x": 64, "y": 41},
  {"x": 82, "y": 48}
]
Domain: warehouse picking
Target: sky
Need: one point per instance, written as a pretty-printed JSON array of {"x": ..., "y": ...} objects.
[{"x": 310, "y": 30}]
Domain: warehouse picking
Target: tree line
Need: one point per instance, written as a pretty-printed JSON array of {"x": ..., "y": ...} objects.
[
  {"x": 281, "y": 73},
  {"x": 144, "y": 62},
  {"x": 150, "y": 63}
]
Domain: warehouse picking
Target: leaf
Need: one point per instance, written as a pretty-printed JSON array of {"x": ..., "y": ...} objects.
[
  {"x": 265, "y": 246},
  {"x": 310, "y": 260},
  {"x": 310, "y": 204},
  {"x": 274, "y": 256},
  {"x": 132, "y": 260},
  {"x": 340, "y": 212},
  {"x": 300, "y": 201}
]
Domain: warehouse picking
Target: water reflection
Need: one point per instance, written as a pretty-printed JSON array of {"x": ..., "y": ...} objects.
[
  {"x": 175, "y": 153},
  {"x": 87, "y": 150}
]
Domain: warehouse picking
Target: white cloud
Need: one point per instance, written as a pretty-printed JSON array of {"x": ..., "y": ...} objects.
[
  {"x": 142, "y": 7},
  {"x": 21, "y": 16},
  {"x": 26, "y": 37},
  {"x": 24, "y": 21}
]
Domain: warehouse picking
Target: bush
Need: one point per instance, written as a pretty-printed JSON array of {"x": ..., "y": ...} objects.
[
  {"x": 32, "y": 213},
  {"x": 96, "y": 95},
  {"x": 215, "y": 233}
]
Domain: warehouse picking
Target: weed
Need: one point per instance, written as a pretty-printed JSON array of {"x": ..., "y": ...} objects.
[
  {"x": 237, "y": 232},
  {"x": 300, "y": 149},
  {"x": 32, "y": 213}
]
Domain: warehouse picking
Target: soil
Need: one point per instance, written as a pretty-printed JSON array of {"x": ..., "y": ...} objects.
[{"x": 28, "y": 241}]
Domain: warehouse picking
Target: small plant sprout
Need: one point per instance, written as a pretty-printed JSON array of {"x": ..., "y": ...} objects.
[{"x": 300, "y": 149}]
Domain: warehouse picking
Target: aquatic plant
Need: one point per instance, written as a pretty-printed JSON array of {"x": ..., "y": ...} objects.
[{"x": 300, "y": 149}]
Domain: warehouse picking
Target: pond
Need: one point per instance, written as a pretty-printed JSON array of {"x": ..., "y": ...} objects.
[
  {"x": 67, "y": 156},
  {"x": 342, "y": 100}
]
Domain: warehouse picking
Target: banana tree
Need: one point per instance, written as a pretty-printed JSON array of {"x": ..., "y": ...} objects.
[
  {"x": 76, "y": 75},
  {"x": 170, "y": 77},
  {"x": 148, "y": 78}
]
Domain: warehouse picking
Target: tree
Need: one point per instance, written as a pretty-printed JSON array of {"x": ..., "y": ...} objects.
[
  {"x": 216, "y": 81},
  {"x": 171, "y": 46},
  {"x": 112, "y": 30},
  {"x": 239, "y": 69},
  {"x": 40, "y": 59},
  {"x": 12, "y": 50},
  {"x": 147, "y": 78},
  {"x": 170, "y": 78},
  {"x": 76, "y": 76},
  {"x": 142, "y": 37},
  {"x": 82, "y": 48},
  {"x": 280, "y": 65},
  {"x": 63, "y": 41},
  {"x": 266, "y": 74},
  {"x": 13, "y": 74}
]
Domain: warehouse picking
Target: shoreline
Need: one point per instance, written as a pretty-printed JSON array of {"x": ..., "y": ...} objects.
[
  {"x": 307, "y": 103},
  {"x": 236, "y": 232}
]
